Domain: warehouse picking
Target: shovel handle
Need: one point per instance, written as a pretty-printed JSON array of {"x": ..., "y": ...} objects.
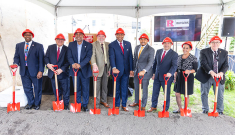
[
  {"x": 95, "y": 77},
  {"x": 55, "y": 67},
  {"x": 75, "y": 72},
  {"x": 15, "y": 69},
  {"x": 164, "y": 76},
  {"x": 185, "y": 77},
  {"x": 217, "y": 82},
  {"x": 115, "y": 77},
  {"x": 140, "y": 79}
]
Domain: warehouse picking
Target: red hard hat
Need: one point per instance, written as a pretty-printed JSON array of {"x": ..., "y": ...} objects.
[
  {"x": 187, "y": 43},
  {"x": 27, "y": 30},
  {"x": 79, "y": 30},
  {"x": 60, "y": 36},
  {"x": 144, "y": 36},
  {"x": 101, "y": 32},
  {"x": 167, "y": 39},
  {"x": 120, "y": 31},
  {"x": 215, "y": 38}
]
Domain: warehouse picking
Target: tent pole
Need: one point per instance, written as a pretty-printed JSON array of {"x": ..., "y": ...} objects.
[{"x": 137, "y": 19}]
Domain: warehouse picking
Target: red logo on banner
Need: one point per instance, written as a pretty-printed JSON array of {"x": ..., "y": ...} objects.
[
  {"x": 169, "y": 23},
  {"x": 89, "y": 38}
]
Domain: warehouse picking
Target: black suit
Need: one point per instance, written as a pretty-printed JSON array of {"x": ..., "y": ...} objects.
[
  {"x": 63, "y": 64},
  {"x": 206, "y": 61}
]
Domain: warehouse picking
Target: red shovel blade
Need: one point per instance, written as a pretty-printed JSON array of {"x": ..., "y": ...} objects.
[
  {"x": 214, "y": 114},
  {"x": 162, "y": 114},
  {"x": 113, "y": 111},
  {"x": 139, "y": 113},
  {"x": 13, "y": 107},
  {"x": 185, "y": 112},
  {"x": 58, "y": 105},
  {"x": 94, "y": 111},
  {"x": 75, "y": 107}
]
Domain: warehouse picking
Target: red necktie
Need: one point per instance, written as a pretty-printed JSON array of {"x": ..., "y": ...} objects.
[
  {"x": 122, "y": 48},
  {"x": 58, "y": 53},
  {"x": 163, "y": 55}
]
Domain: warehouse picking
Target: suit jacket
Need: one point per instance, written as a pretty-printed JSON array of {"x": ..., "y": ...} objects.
[
  {"x": 168, "y": 64},
  {"x": 145, "y": 61},
  {"x": 85, "y": 57},
  {"x": 206, "y": 62},
  {"x": 35, "y": 58},
  {"x": 51, "y": 58},
  {"x": 98, "y": 56},
  {"x": 124, "y": 63}
]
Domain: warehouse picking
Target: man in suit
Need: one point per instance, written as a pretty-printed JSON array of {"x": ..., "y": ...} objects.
[
  {"x": 143, "y": 61},
  {"x": 165, "y": 63},
  {"x": 214, "y": 63},
  {"x": 79, "y": 54},
  {"x": 100, "y": 61},
  {"x": 29, "y": 56},
  {"x": 121, "y": 60},
  {"x": 57, "y": 55}
]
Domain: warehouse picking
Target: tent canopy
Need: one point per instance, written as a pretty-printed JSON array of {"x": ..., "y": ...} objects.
[{"x": 130, "y": 7}]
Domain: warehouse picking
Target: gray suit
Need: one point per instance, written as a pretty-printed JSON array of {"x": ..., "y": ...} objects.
[
  {"x": 102, "y": 79},
  {"x": 145, "y": 61}
]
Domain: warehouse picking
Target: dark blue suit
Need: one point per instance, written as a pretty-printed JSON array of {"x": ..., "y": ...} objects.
[
  {"x": 63, "y": 64},
  {"x": 29, "y": 74},
  {"x": 84, "y": 73},
  {"x": 168, "y": 65},
  {"x": 124, "y": 63}
]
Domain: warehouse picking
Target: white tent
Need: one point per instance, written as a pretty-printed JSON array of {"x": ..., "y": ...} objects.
[{"x": 132, "y": 8}]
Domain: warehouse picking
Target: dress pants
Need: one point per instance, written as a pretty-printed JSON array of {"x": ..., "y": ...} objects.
[
  {"x": 82, "y": 89},
  {"x": 156, "y": 89},
  {"x": 122, "y": 89},
  {"x": 205, "y": 87},
  {"x": 145, "y": 83},
  {"x": 102, "y": 87},
  {"x": 62, "y": 88},
  {"x": 33, "y": 92}
]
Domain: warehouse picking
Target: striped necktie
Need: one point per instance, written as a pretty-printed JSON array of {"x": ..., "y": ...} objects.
[{"x": 26, "y": 53}]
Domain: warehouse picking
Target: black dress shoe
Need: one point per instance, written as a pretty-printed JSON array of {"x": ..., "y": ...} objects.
[
  {"x": 176, "y": 111},
  {"x": 66, "y": 107},
  {"x": 221, "y": 113},
  {"x": 205, "y": 112},
  {"x": 29, "y": 107},
  {"x": 37, "y": 107},
  {"x": 85, "y": 109}
]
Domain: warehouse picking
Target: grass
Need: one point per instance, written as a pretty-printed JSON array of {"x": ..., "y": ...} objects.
[{"x": 195, "y": 103}]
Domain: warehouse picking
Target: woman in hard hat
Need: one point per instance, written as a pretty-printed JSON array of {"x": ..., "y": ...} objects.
[{"x": 188, "y": 63}]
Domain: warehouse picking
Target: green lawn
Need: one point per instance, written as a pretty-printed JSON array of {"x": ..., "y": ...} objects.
[{"x": 195, "y": 100}]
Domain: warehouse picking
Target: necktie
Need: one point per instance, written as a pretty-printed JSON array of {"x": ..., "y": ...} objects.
[
  {"x": 215, "y": 62},
  {"x": 58, "y": 53},
  {"x": 163, "y": 55},
  {"x": 140, "y": 51},
  {"x": 102, "y": 48},
  {"x": 26, "y": 52},
  {"x": 122, "y": 48}
]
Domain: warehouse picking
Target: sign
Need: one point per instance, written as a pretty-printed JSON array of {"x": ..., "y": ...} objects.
[{"x": 177, "y": 23}]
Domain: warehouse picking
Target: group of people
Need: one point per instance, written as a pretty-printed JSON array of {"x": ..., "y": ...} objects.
[{"x": 117, "y": 58}]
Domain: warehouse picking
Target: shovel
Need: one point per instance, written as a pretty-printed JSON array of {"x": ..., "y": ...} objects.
[
  {"x": 164, "y": 113},
  {"x": 95, "y": 111},
  {"x": 139, "y": 113},
  {"x": 185, "y": 112},
  {"x": 75, "y": 107},
  {"x": 214, "y": 113},
  {"x": 57, "y": 105},
  {"x": 114, "y": 110},
  {"x": 14, "y": 106}
]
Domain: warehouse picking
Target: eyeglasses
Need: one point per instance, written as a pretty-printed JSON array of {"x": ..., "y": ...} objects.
[{"x": 215, "y": 43}]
